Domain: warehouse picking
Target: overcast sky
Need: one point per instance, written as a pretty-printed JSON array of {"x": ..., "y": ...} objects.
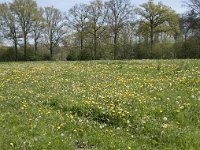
[{"x": 64, "y": 5}]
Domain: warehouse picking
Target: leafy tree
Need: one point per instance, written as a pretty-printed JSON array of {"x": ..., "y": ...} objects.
[
  {"x": 157, "y": 18},
  {"x": 26, "y": 11},
  {"x": 9, "y": 26}
]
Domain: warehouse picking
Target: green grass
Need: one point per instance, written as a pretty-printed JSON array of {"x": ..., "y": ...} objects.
[{"x": 100, "y": 105}]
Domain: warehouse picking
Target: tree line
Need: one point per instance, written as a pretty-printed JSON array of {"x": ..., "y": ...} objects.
[{"x": 114, "y": 29}]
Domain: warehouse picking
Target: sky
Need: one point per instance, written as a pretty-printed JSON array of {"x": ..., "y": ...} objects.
[{"x": 65, "y": 5}]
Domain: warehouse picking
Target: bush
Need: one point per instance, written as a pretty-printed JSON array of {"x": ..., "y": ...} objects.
[
  {"x": 188, "y": 49},
  {"x": 72, "y": 56},
  {"x": 85, "y": 55},
  {"x": 163, "y": 50},
  {"x": 46, "y": 57},
  {"x": 8, "y": 54}
]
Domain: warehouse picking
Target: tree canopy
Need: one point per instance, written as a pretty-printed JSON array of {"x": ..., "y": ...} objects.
[{"x": 111, "y": 29}]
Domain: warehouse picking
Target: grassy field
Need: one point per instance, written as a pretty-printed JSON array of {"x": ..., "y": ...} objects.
[{"x": 103, "y": 105}]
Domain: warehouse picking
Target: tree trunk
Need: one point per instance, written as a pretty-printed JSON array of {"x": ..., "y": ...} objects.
[
  {"x": 185, "y": 37},
  {"x": 35, "y": 46},
  {"x": 51, "y": 50},
  {"x": 16, "y": 50},
  {"x": 124, "y": 47},
  {"x": 95, "y": 45},
  {"x": 139, "y": 38},
  {"x": 115, "y": 46},
  {"x": 151, "y": 38},
  {"x": 81, "y": 43}
]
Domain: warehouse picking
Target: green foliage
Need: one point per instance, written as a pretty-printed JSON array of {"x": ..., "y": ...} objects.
[
  {"x": 72, "y": 56},
  {"x": 46, "y": 57},
  {"x": 8, "y": 54},
  {"x": 157, "y": 19},
  {"x": 188, "y": 49},
  {"x": 162, "y": 17},
  {"x": 85, "y": 55},
  {"x": 163, "y": 51}
]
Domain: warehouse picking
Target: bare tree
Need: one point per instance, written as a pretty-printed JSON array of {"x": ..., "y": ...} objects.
[
  {"x": 96, "y": 16},
  {"x": 194, "y": 15},
  {"x": 120, "y": 12},
  {"x": 184, "y": 26},
  {"x": 194, "y": 21},
  {"x": 77, "y": 21},
  {"x": 194, "y": 5},
  {"x": 55, "y": 28},
  {"x": 127, "y": 37},
  {"x": 37, "y": 28}
]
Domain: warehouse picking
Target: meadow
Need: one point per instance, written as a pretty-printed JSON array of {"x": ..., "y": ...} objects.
[{"x": 100, "y": 105}]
